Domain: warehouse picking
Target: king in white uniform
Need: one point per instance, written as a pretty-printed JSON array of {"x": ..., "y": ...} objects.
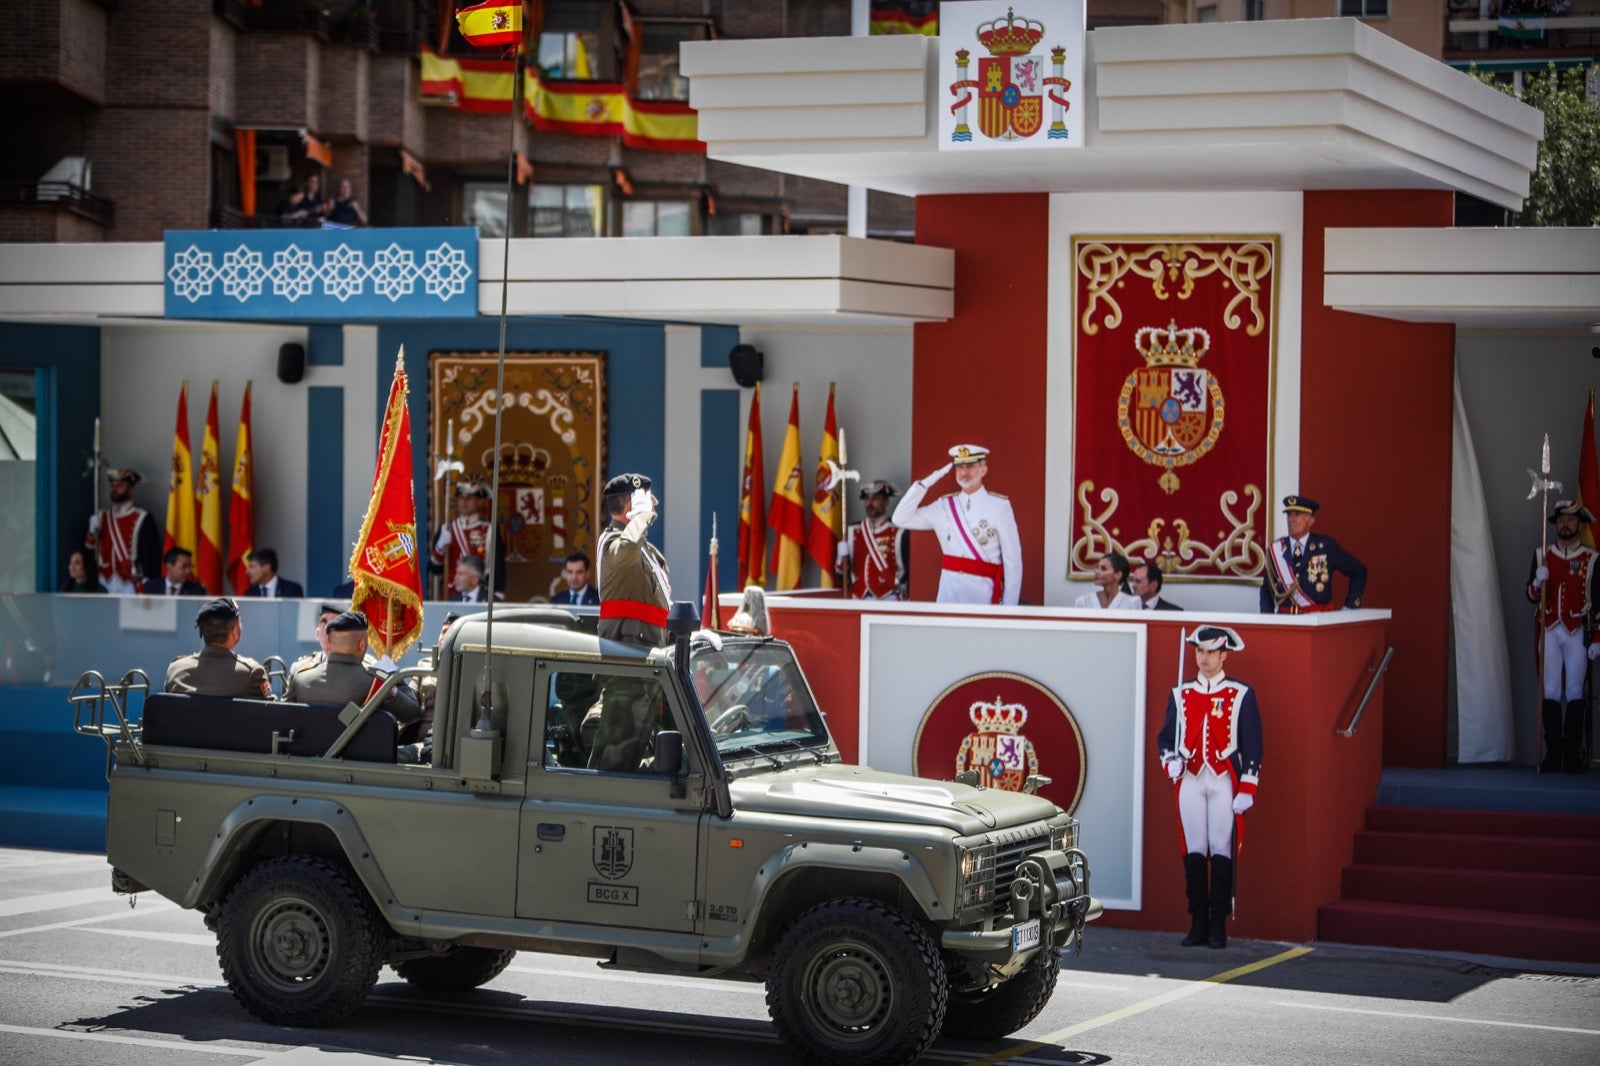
[{"x": 977, "y": 531}]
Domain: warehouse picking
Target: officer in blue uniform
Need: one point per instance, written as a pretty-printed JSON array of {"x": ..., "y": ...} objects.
[{"x": 1300, "y": 566}]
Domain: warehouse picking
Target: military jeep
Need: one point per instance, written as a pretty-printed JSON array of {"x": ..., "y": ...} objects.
[{"x": 680, "y": 809}]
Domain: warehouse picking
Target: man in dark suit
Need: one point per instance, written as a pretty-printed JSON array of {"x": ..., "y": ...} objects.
[
  {"x": 578, "y": 593},
  {"x": 1144, "y": 581},
  {"x": 469, "y": 581},
  {"x": 262, "y": 565},
  {"x": 177, "y": 565},
  {"x": 1300, "y": 567}
]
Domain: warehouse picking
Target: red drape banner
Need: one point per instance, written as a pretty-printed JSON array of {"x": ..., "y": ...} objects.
[
  {"x": 1173, "y": 373},
  {"x": 1589, "y": 476}
]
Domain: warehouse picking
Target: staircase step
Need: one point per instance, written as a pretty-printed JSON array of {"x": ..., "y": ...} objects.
[
  {"x": 1496, "y": 823},
  {"x": 1481, "y": 932},
  {"x": 1560, "y": 895},
  {"x": 1486, "y": 851}
]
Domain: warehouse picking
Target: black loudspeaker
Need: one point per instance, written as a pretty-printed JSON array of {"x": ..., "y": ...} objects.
[
  {"x": 291, "y": 363},
  {"x": 746, "y": 363}
]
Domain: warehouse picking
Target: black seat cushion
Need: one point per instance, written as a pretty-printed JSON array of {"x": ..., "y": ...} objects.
[{"x": 222, "y": 724}]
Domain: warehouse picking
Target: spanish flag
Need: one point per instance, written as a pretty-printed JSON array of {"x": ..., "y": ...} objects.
[
  {"x": 753, "y": 503},
  {"x": 241, "y": 505},
  {"x": 492, "y": 24},
  {"x": 385, "y": 566},
  {"x": 787, "y": 511},
  {"x": 827, "y": 507},
  {"x": 208, "y": 483},
  {"x": 180, "y": 483},
  {"x": 1589, "y": 477}
]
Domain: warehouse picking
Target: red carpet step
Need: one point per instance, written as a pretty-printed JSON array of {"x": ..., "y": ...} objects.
[{"x": 1523, "y": 885}]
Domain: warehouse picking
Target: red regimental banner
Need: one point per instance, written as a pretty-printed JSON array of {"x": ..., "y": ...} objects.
[{"x": 1173, "y": 369}]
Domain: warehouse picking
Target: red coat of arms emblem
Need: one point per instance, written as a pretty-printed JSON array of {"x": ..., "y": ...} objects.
[
  {"x": 1170, "y": 411},
  {"x": 1003, "y": 757}
]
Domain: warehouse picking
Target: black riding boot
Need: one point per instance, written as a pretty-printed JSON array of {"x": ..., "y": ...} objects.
[
  {"x": 1550, "y": 711},
  {"x": 1221, "y": 900},
  {"x": 1572, "y": 760},
  {"x": 1194, "y": 885}
]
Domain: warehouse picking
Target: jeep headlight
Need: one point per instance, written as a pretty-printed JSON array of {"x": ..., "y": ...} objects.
[
  {"x": 1065, "y": 836},
  {"x": 976, "y": 866}
]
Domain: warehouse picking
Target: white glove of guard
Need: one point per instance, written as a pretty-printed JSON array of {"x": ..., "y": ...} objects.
[
  {"x": 842, "y": 552},
  {"x": 643, "y": 503},
  {"x": 94, "y": 523},
  {"x": 1174, "y": 768},
  {"x": 939, "y": 473},
  {"x": 1242, "y": 803},
  {"x": 1594, "y": 651},
  {"x": 1540, "y": 576}
]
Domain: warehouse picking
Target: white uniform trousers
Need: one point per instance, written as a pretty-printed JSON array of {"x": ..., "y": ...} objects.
[
  {"x": 1564, "y": 650},
  {"x": 1205, "y": 806}
]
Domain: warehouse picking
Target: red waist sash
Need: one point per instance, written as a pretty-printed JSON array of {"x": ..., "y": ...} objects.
[
  {"x": 639, "y": 611},
  {"x": 960, "y": 564}
]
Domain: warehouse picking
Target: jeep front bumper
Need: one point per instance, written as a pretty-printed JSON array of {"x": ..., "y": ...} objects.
[{"x": 1051, "y": 888}]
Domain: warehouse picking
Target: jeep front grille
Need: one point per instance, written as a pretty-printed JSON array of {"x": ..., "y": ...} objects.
[{"x": 1007, "y": 858}]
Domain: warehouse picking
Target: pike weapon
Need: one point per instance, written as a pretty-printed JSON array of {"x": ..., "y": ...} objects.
[
  {"x": 838, "y": 474},
  {"x": 96, "y": 461},
  {"x": 448, "y": 463},
  {"x": 1541, "y": 484}
]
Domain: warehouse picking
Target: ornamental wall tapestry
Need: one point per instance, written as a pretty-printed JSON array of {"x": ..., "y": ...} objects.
[
  {"x": 551, "y": 454},
  {"x": 1173, "y": 382}
]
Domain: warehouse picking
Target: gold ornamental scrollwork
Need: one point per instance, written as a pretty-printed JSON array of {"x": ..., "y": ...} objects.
[
  {"x": 1237, "y": 554},
  {"x": 1172, "y": 269}
]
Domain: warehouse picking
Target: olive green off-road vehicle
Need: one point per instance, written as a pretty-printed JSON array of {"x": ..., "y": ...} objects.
[{"x": 674, "y": 810}]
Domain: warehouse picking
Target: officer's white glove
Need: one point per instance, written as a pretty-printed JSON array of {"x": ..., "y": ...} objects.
[
  {"x": 1243, "y": 802},
  {"x": 1594, "y": 651},
  {"x": 842, "y": 552},
  {"x": 643, "y": 503},
  {"x": 1540, "y": 576},
  {"x": 94, "y": 523},
  {"x": 939, "y": 473},
  {"x": 1174, "y": 768}
]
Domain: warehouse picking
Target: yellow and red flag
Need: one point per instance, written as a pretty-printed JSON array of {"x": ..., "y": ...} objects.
[
  {"x": 753, "y": 503},
  {"x": 208, "y": 487},
  {"x": 180, "y": 483},
  {"x": 493, "y": 24},
  {"x": 787, "y": 511},
  {"x": 1589, "y": 477},
  {"x": 241, "y": 505},
  {"x": 827, "y": 507},
  {"x": 385, "y": 566}
]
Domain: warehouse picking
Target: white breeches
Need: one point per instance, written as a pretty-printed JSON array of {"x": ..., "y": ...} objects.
[
  {"x": 1205, "y": 806},
  {"x": 1564, "y": 651}
]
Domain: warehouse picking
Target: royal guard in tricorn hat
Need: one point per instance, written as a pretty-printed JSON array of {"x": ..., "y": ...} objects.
[
  {"x": 467, "y": 534},
  {"x": 124, "y": 539},
  {"x": 1564, "y": 585},
  {"x": 876, "y": 553}
]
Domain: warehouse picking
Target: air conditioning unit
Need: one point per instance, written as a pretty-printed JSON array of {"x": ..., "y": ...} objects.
[
  {"x": 68, "y": 170},
  {"x": 272, "y": 162}
]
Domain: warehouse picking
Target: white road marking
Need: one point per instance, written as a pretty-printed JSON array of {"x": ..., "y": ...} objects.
[
  {"x": 51, "y": 969},
  {"x": 204, "y": 940},
  {"x": 55, "y": 901},
  {"x": 136, "y": 1041},
  {"x": 1440, "y": 1018},
  {"x": 156, "y": 907}
]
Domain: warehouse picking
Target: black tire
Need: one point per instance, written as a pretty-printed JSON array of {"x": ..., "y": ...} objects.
[
  {"x": 854, "y": 982},
  {"x": 456, "y": 970},
  {"x": 1000, "y": 1010},
  {"x": 299, "y": 942}
]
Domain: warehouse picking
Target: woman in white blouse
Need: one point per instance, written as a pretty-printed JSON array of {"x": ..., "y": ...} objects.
[{"x": 1111, "y": 577}]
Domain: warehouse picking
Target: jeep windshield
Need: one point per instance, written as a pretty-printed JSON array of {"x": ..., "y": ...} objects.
[{"x": 757, "y": 701}]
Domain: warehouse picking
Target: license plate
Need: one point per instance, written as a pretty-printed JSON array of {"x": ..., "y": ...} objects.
[{"x": 1025, "y": 936}]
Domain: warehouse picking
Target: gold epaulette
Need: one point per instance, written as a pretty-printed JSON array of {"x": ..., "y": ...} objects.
[{"x": 997, "y": 496}]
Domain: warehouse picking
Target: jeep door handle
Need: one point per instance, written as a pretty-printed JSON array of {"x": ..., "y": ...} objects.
[{"x": 551, "y": 831}]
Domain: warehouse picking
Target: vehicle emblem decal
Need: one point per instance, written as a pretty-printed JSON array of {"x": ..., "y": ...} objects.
[{"x": 613, "y": 851}]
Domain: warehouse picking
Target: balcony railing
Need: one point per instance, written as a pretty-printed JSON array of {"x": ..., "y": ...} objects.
[
  {"x": 1503, "y": 37},
  {"x": 61, "y": 194}
]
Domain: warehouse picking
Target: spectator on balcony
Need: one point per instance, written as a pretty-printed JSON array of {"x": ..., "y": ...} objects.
[
  {"x": 315, "y": 203},
  {"x": 346, "y": 210},
  {"x": 81, "y": 576},
  {"x": 292, "y": 204}
]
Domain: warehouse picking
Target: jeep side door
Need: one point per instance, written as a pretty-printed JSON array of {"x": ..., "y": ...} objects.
[{"x": 602, "y": 840}]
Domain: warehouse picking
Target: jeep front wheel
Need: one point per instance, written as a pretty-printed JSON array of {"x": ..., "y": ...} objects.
[
  {"x": 457, "y": 970},
  {"x": 299, "y": 942},
  {"x": 856, "y": 983},
  {"x": 1000, "y": 1010}
]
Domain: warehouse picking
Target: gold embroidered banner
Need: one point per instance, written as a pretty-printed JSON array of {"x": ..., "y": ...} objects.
[
  {"x": 551, "y": 454},
  {"x": 1173, "y": 364}
]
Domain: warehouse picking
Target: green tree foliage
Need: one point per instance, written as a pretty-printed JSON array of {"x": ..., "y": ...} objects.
[{"x": 1565, "y": 187}]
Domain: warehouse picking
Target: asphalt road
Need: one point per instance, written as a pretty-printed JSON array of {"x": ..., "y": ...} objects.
[{"x": 85, "y": 979}]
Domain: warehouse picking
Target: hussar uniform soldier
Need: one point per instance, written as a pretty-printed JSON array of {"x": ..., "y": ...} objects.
[
  {"x": 1210, "y": 745},
  {"x": 1564, "y": 585},
  {"x": 216, "y": 670},
  {"x": 1300, "y": 566},
  {"x": 343, "y": 678},
  {"x": 876, "y": 552},
  {"x": 635, "y": 592},
  {"x": 982, "y": 561},
  {"x": 124, "y": 538}
]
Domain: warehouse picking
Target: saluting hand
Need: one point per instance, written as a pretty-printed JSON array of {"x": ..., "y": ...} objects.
[{"x": 939, "y": 473}]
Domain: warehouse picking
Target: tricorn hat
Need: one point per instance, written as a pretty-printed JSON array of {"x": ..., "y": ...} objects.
[
  {"x": 1216, "y": 638},
  {"x": 1570, "y": 507},
  {"x": 124, "y": 473},
  {"x": 472, "y": 487},
  {"x": 879, "y": 487}
]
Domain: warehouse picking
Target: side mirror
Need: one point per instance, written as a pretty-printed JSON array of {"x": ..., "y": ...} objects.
[{"x": 668, "y": 760}]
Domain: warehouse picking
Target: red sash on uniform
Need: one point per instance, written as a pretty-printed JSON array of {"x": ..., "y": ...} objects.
[
  {"x": 648, "y": 613},
  {"x": 1314, "y": 608},
  {"x": 982, "y": 568}
]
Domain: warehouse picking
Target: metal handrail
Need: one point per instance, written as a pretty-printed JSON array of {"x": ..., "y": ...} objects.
[{"x": 1366, "y": 697}]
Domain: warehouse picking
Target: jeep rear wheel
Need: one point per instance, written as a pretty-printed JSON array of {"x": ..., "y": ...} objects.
[
  {"x": 457, "y": 970},
  {"x": 856, "y": 983},
  {"x": 1000, "y": 1010},
  {"x": 299, "y": 942}
]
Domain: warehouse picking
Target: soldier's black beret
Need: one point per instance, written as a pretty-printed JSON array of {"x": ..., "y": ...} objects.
[
  {"x": 329, "y": 608},
  {"x": 222, "y": 608},
  {"x": 626, "y": 484},
  {"x": 348, "y": 622},
  {"x": 1304, "y": 504}
]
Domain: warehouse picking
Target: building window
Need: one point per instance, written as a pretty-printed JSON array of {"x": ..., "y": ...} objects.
[
  {"x": 1254, "y": 10},
  {"x": 659, "y": 218},
  {"x": 483, "y": 204},
  {"x": 656, "y": 75},
  {"x": 1364, "y": 9},
  {"x": 1206, "y": 14},
  {"x": 578, "y": 41},
  {"x": 568, "y": 210}
]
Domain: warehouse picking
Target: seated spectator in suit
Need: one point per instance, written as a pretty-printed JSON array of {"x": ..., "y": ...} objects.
[
  {"x": 262, "y": 566},
  {"x": 578, "y": 593},
  {"x": 469, "y": 581},
  {"x": 177, "y": 564},
  {"x": 1144, "y": 581}
]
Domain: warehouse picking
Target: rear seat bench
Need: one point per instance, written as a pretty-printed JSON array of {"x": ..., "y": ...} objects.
[{"x": 222, "y": 724}]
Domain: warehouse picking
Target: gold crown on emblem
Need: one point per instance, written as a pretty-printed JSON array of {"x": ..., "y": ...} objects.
[
  {"x": 998, "y": 717},
  {"x": 1172, "y": 346},
  {"x": 1010, "y": 37},
  {"x": 519, "y": 461}
]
